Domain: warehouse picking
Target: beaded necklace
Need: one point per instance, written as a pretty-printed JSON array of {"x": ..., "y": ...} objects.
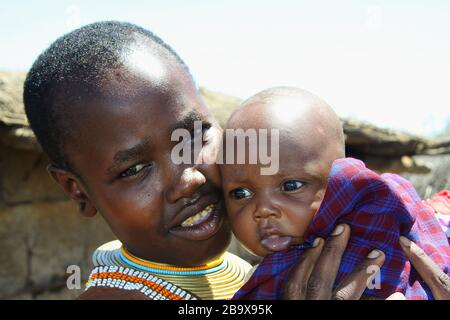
[
  {"x": 160, "y": 268},
  {"x": 219, "y": 279},
  {"x": 129, "y": 279}
]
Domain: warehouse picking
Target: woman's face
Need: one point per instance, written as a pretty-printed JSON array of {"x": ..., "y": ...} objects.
[{"x": 122, "y": 151}]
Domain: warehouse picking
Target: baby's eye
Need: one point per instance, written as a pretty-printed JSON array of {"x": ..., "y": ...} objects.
[
  {"x": 240, "y": 193},
  {"x": 291, "y": 185},
  {"x": 134, "y": 170}
]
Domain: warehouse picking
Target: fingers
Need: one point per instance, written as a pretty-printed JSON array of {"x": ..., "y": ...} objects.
[
  {"x": 353, "y": 286},
  {"x": 295, "y": 286},
  {"x": 396, "y": 296},
  {"x": 320, "y": 284},
  {"x": 431, "y": 273}
]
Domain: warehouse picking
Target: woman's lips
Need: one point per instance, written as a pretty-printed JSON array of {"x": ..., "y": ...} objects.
[
  {"x": 277, "y": 243},
  {"x": 205, "y": 228}
]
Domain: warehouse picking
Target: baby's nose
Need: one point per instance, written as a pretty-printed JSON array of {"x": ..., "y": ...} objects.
[{"x": 266, "y": 210}]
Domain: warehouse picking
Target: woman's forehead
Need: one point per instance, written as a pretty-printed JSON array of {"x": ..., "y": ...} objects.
[{"x": 158, "y": 103}]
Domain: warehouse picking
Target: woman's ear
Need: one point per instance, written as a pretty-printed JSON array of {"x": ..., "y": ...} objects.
[{"x": 71, "y": 186}]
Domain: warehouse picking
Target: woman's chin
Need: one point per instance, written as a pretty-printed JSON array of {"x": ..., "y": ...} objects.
[
  {"x": 209, "y": 249},
  {"x": 219, "y": 244}
]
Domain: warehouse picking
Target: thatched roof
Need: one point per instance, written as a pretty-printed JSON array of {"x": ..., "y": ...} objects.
[
  {"x": 14, "y": 129},
  {"x": 382, "y": 149}
]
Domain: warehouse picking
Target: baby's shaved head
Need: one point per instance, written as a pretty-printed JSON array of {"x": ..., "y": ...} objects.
[{"x": 298, "y": 114}]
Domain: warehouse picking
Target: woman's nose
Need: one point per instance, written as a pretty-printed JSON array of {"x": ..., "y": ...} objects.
[{"x": 190, "y": 180}]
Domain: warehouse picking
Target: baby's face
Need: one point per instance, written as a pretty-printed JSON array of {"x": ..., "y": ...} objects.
[{"x": 270, "y": 213}]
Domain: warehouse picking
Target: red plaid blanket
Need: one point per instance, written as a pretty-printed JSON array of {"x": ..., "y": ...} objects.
[{"x": 378, "y": 208}]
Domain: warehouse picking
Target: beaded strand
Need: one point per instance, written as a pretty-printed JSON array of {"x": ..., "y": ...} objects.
[{"x": 130, "y": 279}]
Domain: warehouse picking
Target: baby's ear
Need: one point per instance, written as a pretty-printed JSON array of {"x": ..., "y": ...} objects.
[
  {"x": 71, "y": 186},
  {"x": 318, "y": 198}
]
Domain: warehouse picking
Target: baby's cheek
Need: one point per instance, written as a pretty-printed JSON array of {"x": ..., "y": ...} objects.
[
  {"x": 240, "y": 224},
  {"x": 298, "y": 219},
  {"x": 245, "y": 230}
]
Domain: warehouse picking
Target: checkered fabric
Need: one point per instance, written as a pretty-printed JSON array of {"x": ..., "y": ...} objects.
[{"x": 378, "y": 208}]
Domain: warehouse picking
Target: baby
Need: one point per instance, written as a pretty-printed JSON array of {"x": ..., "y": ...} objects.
[{"x": 278, "y": 216}]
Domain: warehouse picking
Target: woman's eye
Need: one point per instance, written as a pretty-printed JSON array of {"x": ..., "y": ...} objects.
[
  {"x": 240, "y": 193},
  {"x": 291, "y": 185},
  {"x": 134, "y": 170}
]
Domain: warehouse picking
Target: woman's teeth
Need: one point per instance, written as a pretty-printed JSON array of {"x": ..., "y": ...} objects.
[{"x": 199, "y": 217}]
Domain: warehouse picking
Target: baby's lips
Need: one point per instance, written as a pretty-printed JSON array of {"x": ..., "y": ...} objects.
[{"x": 276, "y": 242}]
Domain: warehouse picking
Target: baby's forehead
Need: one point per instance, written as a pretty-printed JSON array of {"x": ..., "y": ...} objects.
[{"x": 280, "y": 111}]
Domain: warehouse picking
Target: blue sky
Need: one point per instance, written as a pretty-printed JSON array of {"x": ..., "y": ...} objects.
[{"x": 383, "y": 61}]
